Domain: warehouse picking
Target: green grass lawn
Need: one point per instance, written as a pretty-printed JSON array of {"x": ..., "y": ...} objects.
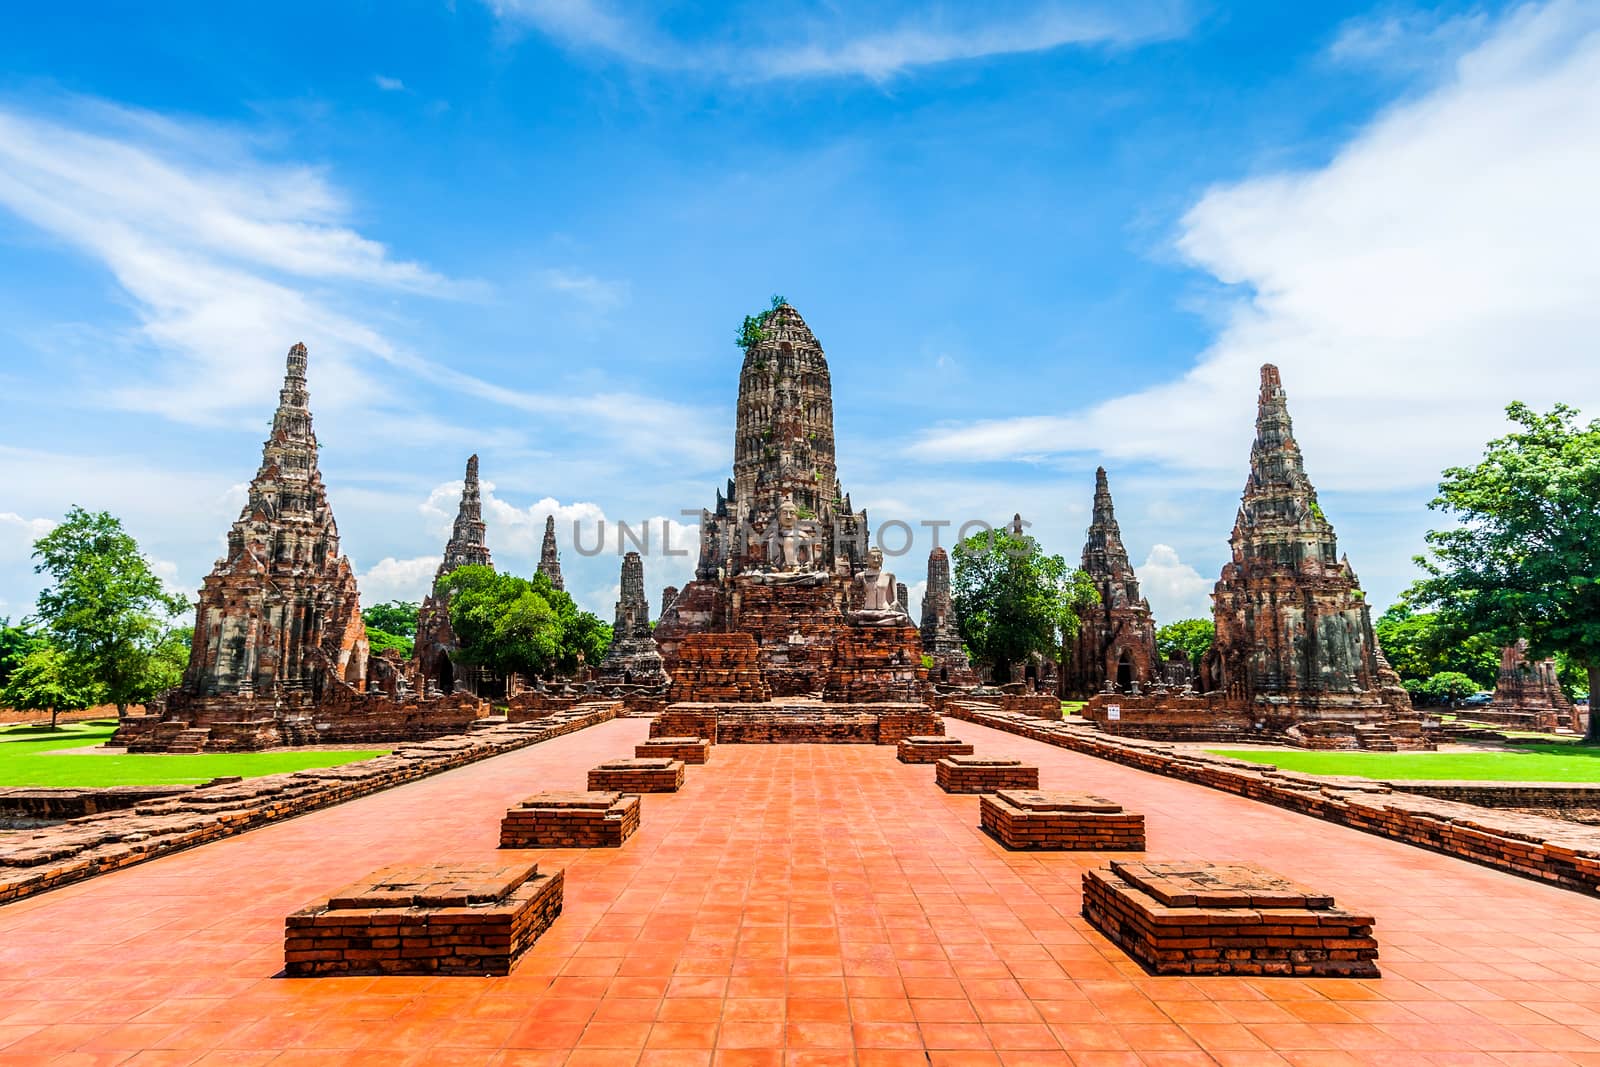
[
  {"x": 1529, "y": 763},
  {"x": 29, "y": 757}
]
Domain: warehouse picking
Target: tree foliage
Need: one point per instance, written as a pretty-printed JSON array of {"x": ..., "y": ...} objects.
[
  {"x": 16, "y": 641},
  {"x": 44, "y": 681},
  {"x": 1188, "y": 639},
  {"x": 105, "y": 609},
  {"x": 1013, "y": 601},
  {"x": 1446, "y": 687},
  {"x": 1524, "y": 560},
  {"x": 518, "y": 625},
  {"x": 752, "y": 331},
  {"x": 1421, "y": 644},
  {"x": 397, "y": 617},
  {"x": 381, "y": 641}
]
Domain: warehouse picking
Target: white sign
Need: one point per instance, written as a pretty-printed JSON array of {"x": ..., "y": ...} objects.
[{"x": 1113, "y": 712}]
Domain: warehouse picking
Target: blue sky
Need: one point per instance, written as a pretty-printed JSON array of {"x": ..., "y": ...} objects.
[{"x": 1032, "y": 238}]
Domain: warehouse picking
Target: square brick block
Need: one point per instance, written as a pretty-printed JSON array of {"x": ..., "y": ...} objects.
[
  {"x": 1030, "y": 819},
  {"x": 983, "y": 774},
  {"x": 694, "y": 750},
  {"x": 457, "y": 918},
  {"x": 638, "y": 776},
  {"x": 571, "y": 820},
  {"x": 924, "y": 749},
  {"x": 1198, "y": 918}
]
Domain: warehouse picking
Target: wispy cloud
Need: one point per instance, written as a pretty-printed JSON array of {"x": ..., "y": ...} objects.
[
  {"x": 228, "y": 258},
  {"x": 1438, "y": 267},
  {"x": 388, "y": 84},
  {"x": 861, "y": 43}
]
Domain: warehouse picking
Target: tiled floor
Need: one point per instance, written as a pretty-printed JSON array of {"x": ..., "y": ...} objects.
[{"x": 806, "y": 905}]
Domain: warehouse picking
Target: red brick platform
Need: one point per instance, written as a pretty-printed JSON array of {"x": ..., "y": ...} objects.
[
  {"x": 1192, "y": 917},
  {"x": 638, "y": 776},
  {"x": 983, "y": 774},
  {"x": 458, "y": 918},
  {"x": 847, "y": 915},
  {"x": 571, "y": 820},
  {"x": 696, "y": 750},
  {"x": 797, "y": 721},
  {"x": 926, "y": 749},
  {"x": 1070, "y": 822}
]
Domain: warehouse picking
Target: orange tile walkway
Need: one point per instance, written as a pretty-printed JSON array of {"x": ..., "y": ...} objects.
[{"x": 805, "y": 905}]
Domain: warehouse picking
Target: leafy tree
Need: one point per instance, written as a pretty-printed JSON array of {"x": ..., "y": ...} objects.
[
  {"x": 1012, "y": 600},
  {"x": 1525, "y": 559},
  {"x": 15, "y": 644},
  {"x": 397, "y": 617},
  {"x": 752, "y": 331},
  {"x": 44, "y": 681},
  {"x": 1446, "y": 687},
  {"x": 381, "y": 641},
  {"x": 516, "y": 625},
  {"x": 105, "y": 609},
  {"x": 1189, "y": 638},
  {"x": 1419, "y": 644}
]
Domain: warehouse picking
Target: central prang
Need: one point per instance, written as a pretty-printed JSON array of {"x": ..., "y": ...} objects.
[{"x": 784, "y": 556}]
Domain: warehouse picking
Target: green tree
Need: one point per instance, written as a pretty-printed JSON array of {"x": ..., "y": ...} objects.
[
  {"x": 1419, "y": 644},
  {"x": 1190, "y": 639},
  {"x": 1446, "y": 687},
  {"x": 516, "y": 625},
  {"x": 15, "y": 644},
  {"x": 381, "y": 641},
  {"x": 1525, "y": 557},
  {"x": 105, "y": 609},
  {"x": 397, "y": 617},
  {"x": 44, "y": 681},
  {"x": 1012, "y": 600}
]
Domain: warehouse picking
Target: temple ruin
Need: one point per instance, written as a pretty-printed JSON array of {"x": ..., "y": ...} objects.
[
  {"x": 549, "y": 558},
  {"x": 433, "y": 664},
  {"x": 941, "y": 637},
  {"x": 633, "y": 658},
  {"x": 1116, "y": 639},
  {"x": 1527, "y": 694},
  {"x": 280, "y": 650}
]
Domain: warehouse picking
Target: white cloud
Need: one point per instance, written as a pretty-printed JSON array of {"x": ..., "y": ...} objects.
[
  {"x": 397, "y": 579},
  {"x": 596, "y": 294},
  {"x": 1407, "y": 40},
  {"x": 1175, "y": 589},
  {"x": 388, "y": 84},
  {"x": 17, "y": 534},
  {"x": 1438, "y": 267},
  {"x": 835, "y": 42}
]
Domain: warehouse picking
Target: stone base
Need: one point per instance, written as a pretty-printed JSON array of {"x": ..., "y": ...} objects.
[
  {"x": 931, "y": 749},
  {"x": 638, "y": 776},
  {"x": 797, "y": 722},
  {"x": 1071, "y": 822},
  {"x": 983, "y": 774},
  {"x": 447, "y": 919},
  {"x": 571, "y": 820},
  {"x": 1200, "y": 918},
  {"x": 876, "y": 664},
  {"x": 694, "y": 750},
  {"x": 718, "y": 668}
]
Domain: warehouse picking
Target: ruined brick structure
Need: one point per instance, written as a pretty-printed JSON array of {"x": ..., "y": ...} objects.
[
  {"x": 1116, "y": 640},
  {"x": 1294, "y": 631},
  {"x": 941, "y": 637},
  {"x": 632, "y": 658},
  {"x": 436, "y": 641},
  {"x": 1527, "y": 693},
  {"x": 549, "y": 558},
  {"x": 783, "y": 552},
  {"x": 280, "y": 651},
  {"x": 279, "y": 619}
]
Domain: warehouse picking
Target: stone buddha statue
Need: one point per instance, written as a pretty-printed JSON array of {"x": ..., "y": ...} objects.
[
  {"x": 789, "y": 551},
  {"x": 879, "y": 604}
]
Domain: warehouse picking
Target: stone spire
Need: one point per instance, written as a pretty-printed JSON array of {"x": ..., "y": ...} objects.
[
  {"x": 1294, "y": 631},
  {"x": 633, "y": 658},
  {"x": 941, "y": 637},
  {"x": 1116, "y": 638},
  {"x": 902, "y": 598},
  {"x": 466, "y": 545},
  {"x": 280, "y": 614},
  {"x": 549, "y": 558}
]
